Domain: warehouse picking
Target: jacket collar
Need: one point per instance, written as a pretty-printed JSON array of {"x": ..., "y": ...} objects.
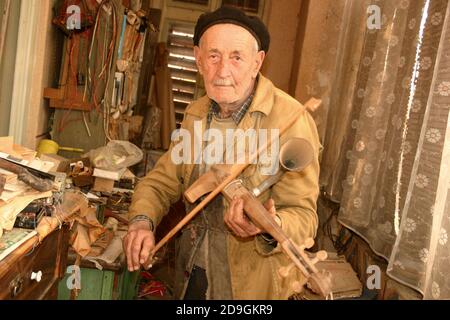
[
  {"x": 264, "y": 96},
  {"x": 262, "y": 101}
]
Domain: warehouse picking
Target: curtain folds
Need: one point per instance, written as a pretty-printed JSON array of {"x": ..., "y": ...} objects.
[{"x": 384, "y": 127}]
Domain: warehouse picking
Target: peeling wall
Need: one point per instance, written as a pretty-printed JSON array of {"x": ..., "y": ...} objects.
[
  {"x": 282, "y": 22},
  {"x": 316, "y": 28}
]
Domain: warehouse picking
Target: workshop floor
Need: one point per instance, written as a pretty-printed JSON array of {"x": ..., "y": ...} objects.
[{"x": 157, "y": 283}]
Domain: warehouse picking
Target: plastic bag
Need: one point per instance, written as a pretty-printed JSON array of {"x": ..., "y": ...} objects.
[{"x": 116, "y": 155}]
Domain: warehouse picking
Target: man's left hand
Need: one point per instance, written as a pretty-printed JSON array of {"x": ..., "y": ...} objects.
[{"x": 239, "y": 223}]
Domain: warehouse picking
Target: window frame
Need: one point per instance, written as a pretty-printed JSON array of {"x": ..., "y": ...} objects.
[
  {"x": 191, "y": 6},
  {"x": 259, "y": 13}
]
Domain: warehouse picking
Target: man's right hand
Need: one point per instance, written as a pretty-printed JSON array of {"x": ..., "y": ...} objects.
[{"x": 138, "y": 243}]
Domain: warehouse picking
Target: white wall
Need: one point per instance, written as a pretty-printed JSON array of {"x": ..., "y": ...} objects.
[
  {"x": 33, "y": 70},
  {"x": 7, "y": 64}
]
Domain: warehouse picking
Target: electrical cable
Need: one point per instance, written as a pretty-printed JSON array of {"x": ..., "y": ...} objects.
[
  {"x": 105, "y": 64},
  {"x": 342, "y": 240}
]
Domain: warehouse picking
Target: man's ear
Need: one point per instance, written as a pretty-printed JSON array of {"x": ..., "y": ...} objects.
[
  {"x": 198, "y": 59},
  {"x": 260, "y": 56}
]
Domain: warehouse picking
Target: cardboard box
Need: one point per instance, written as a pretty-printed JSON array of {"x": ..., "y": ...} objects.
[
  {"x": 103, "y": 185},
  {"x": 61, "y": 164},
  {"x": 109, "y": 174},
  {"x": 345, "y": 283}
]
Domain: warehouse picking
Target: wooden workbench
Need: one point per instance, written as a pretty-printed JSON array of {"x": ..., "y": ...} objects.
[{"x": 49, "y": 257}]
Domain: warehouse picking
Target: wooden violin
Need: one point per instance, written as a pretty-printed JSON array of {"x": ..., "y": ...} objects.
[{"x": 222, "y": 179}]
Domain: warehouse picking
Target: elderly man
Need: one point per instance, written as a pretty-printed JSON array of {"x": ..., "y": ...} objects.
[{"x": 221, "y": 254}]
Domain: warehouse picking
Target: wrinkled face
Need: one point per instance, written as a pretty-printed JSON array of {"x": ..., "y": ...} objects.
[{"x": 229, "y": 61}]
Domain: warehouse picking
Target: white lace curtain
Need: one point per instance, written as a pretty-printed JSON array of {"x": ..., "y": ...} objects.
[{"x": 384, "y": 127}]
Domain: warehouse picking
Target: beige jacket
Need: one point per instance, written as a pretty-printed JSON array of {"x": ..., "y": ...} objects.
[{"x": 253, "y": 264}]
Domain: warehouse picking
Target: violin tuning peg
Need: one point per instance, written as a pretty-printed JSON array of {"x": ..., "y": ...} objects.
[
  {"x": 322, "y": 255},
  {"x": 309, "y": 243},
  {"x": 284, "y": 271},
  {"x": 297, "y": 287}
]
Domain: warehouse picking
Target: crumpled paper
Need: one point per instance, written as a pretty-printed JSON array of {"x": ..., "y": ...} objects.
[
  {"x": 110, "y": 255},
  {"x": 74, "y": 209},
  {"x": 73, "y": 203},
  {"x": 88, "y": 229},
  {"x": 10, "y": 210}
]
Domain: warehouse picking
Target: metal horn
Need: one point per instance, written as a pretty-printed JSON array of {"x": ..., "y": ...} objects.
[{"x": 295, "y": 155}]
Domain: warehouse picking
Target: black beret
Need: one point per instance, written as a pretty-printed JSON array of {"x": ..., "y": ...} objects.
[{"x": 235, "y": 16}]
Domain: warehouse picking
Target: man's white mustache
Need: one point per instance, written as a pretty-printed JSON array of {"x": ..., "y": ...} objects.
[{"x": 222, "y": 82}]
